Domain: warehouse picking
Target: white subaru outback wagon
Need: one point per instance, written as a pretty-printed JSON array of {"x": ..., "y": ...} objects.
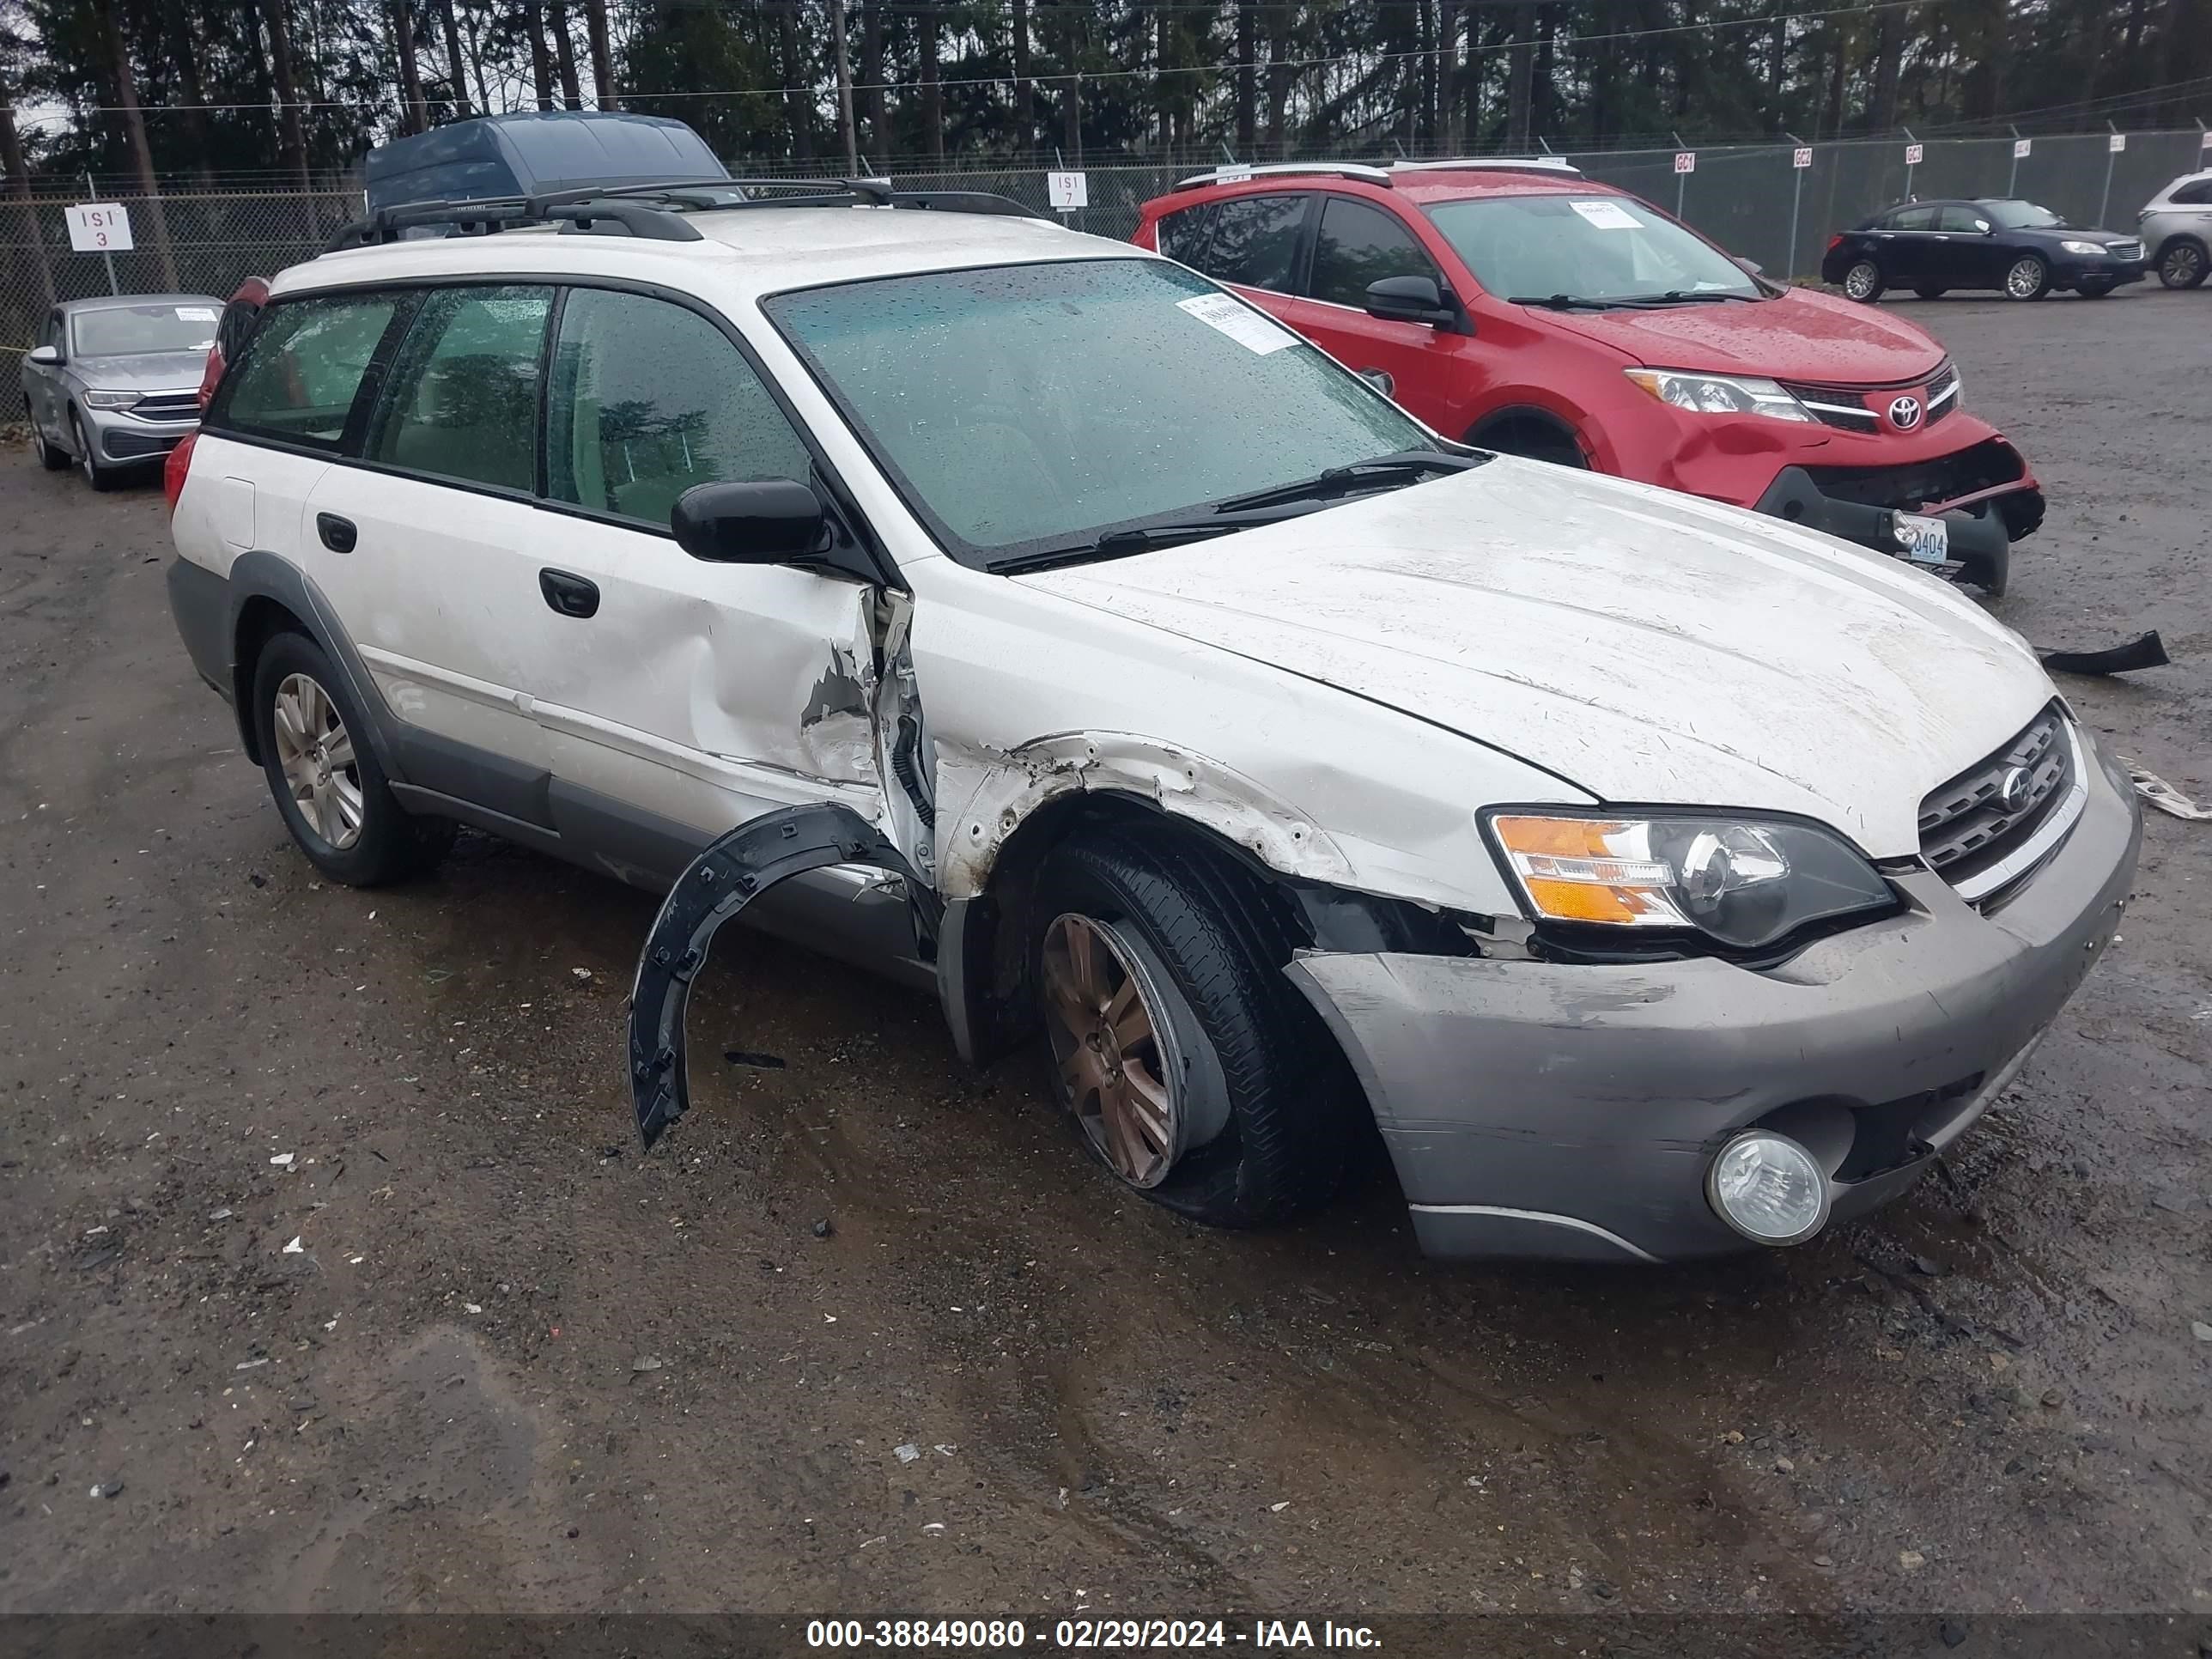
[{"x": 1659, "y": 878}]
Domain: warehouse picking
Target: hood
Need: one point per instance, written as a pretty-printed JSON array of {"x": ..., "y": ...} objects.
[
  {"x": 1644, "y": 645},
  {"x": 143, "y": 371},
  {"x": 2071, "y": 233},
  {"x": 1799, "y": 336}
]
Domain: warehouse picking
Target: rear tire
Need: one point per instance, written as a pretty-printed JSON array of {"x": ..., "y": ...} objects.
[
  {"x": 53, "y": 456},
  {"x": 2028, "y": 278},
  {"x": 1863, "y": 282},
  {"x": 2184, "y": 263},
  {"x": 323, "y": 772},
  {"x": 1931, "y": 293},
  {"x": 1249, "y": 1107}
]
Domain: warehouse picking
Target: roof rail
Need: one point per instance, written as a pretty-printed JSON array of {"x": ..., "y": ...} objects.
[
  {"x": 655, "y": 211},
  {"x": 1506, "y": 163},
  {"x": 1234, "y": 174}
]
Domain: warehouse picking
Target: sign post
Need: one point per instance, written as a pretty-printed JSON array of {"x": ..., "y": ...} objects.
[
  {"x": 2114, "y": 143},
  {"x": 1685, "y": 163},
  {"x": 2021, "y": 149},
  {"x": 1799, "y": 159},
  {"x": 1913, "y": 154},
  {"x": 101, "y": 227}
]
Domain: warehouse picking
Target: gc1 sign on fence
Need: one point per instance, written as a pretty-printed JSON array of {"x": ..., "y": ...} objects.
[
  {"x": 1801, "y": 156},
  {"x": 99, "y": 227},
  {"x": 1685, "y": 161},
  {"x": 2022, "y": 149},
  {"x": 1912, "y": 154}
]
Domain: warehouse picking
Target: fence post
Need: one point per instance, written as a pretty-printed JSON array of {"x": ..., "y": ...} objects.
[
  {"x": 1796, "y": 194},
  {"x": 2012, "y": 179},
  {"x": 2113, "y": 145},
  {"x": 1681, "y": 179},
  {"x": 91, "y": 194}
]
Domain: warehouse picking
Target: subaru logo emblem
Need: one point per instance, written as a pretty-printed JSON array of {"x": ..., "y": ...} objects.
[
  {"x": 2012, "y": 789},
  {"x": 1904, "y": 413}
]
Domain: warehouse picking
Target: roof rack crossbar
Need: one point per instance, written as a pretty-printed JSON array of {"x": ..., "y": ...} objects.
[
  {"x": 639, "y": 210},
  {"x": 1503, "y": 163},
  {"x": 1224, "y": 175}
]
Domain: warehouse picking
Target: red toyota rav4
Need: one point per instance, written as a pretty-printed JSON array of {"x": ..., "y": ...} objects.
[{"x": 1523, "y": 308}]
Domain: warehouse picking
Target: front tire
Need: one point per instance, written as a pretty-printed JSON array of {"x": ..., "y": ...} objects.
[
  {"x": 87, "y": 458},
  {"x": 2184, "y": 263},
  {"x": 1863, "y": 283},
  {"x": 2095, "y": 291},
  {"x": 323, "y": 775},
  {"x": 2028, "y": 278},
  {"x": 1191, "y": 1068},
  {"x": 53, "y": 456}
]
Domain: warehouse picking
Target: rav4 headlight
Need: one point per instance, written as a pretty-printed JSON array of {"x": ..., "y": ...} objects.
[
  {"x": 1743, "y": 883},
  {"x": 1719, "y": 394}
]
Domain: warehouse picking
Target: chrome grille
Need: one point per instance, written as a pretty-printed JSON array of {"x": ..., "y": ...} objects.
[
  {"x": 1969, "y": 823},
  {"x": 2127, "y": 250},
  {"x": 1840, "y": 406},
  {"x": 1942, "y": 394},
  {"x": 167, "y": 406}
]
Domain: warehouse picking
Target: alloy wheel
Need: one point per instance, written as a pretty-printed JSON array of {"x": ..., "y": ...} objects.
[
  {"x": 2183, "y": 266},
  {"x": 1858, "y": 281},
  {"x": 316, "y": 754},
  {"x": 85, "y": 461},
  {"x": 2024, "y": 279},
  {"x": 1116, "y": 1058}
]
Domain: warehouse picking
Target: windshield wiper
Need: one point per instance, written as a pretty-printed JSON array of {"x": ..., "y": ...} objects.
[
  {"x": 1563, "y": 301},
  {"x": 1404, "y": 467},
  {"x": 1688, "y": 296},
  {"x": 1132, "y": 539}
]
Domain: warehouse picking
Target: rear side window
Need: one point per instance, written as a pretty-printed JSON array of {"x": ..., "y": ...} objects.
[
  {"x": 2196, "y": 195},
  {"x": 461, "y": 398},
  {"x": 237, "y": 322},
  {"x": 1359, "y": 244},
  {"x": 1969, "y": 220},
  {"x": 1187, "y": 232},
  {"x": 303, "y": 367},
  {"x": 647, "y": 399},
  {"x": 1912, "y": 218},
  {"x": 1252, "y": 240}
]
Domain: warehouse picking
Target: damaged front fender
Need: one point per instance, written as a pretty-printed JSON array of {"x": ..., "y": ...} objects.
[{"x": 717, "y": 886}]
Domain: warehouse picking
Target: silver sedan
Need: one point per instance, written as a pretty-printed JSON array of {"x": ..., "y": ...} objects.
[{"x": 113, "y": 383}]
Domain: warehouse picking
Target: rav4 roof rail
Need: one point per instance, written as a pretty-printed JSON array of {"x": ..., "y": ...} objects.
[
  {"x": 1503, "y": 163},
  {"x": 1237, "y": 175}
]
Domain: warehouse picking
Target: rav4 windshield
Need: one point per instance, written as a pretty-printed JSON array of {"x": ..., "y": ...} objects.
[
  {"x": 1584, "y": 247},
  {"x": 1027, "y": 406}
]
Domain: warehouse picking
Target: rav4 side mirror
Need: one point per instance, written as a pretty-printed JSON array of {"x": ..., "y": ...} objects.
[
  {"x": 769, "y": 521},
  {"x": 1410, "y": 299},
  {"x": 49, "y": 355},
  {"x": 1752, "y": 267}
]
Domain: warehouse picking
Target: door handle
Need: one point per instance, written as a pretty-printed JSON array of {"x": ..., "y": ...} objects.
[
  {"x": 338, "y": 534},
  {"x": 572, "y": 596}
]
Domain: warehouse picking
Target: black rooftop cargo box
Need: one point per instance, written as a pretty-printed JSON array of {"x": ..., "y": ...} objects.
[{"x": 534, "y": 151}]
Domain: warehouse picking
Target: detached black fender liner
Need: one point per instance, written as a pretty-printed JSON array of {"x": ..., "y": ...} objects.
[{"x": 712, "y": 889}]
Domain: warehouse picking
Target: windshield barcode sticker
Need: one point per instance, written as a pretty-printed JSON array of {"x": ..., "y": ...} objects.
[
  {"x": 1606, "y": 216},
  {"x": 196, "y": 314},
  {"x": 1238, "y": 321}
]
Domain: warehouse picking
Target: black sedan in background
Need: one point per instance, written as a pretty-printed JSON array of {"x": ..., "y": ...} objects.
[{"x": 2022, "y": 250}]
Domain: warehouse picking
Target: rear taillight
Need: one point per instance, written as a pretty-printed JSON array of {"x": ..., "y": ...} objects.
[
  {"x": 174, "y": 469},
  {"x": 1835, "y": 241}
]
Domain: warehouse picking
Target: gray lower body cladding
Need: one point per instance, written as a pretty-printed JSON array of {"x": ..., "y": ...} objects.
[{"x": 1571, "y": 1111}]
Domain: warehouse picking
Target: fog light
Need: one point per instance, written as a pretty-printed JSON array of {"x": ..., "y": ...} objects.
[{"x": 1768, "y": 1188}]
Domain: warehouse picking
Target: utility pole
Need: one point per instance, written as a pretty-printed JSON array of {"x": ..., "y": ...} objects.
[{"x": 845, "y": 92}]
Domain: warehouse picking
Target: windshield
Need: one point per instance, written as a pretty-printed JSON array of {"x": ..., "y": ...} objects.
[
  {"x": 120, "y": 331},
  {"x": 1021, "y": 408},
  {"x": 2021, "y": 215},
  {"x": 1585, "y": 247}
]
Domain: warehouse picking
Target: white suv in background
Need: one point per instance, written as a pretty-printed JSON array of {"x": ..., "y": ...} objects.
[
  {"x": 1659, "y": 877},
  {"x": 2176, "y": 230}
]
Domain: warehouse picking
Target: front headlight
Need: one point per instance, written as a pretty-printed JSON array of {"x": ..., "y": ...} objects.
[
  {"x": 1719, "y": 394},
  {"x": 111, "y": 399},
  {"x": 1742, "y": 883},
  {"x": 2090, "y": 250}
]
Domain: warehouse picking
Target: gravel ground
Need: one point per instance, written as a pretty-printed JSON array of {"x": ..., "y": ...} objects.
[{"x": 331, "y": 1278}]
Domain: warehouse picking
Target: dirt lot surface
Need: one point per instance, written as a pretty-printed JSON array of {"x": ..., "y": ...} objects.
[{"x": 330, "y": 1277}]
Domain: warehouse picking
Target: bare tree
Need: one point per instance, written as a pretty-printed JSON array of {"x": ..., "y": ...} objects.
[
  {"x": 19, "y": 187},
  {"x": 873, "y": 102},
  {"x": 933, "y": 96},
  {"x": 844, "y": 89},
  {"x": 602, "y": 57},
  {"x": 1024, "y": 88},
  {"x": 456, "y": 69},
  {"x": 413, "y": 108},
  {"x": 125, "y": 81},
  {"x": 564, "y": 54},
  {"x": 290, "y": 130},
  {"x": 541, "y": 65}
]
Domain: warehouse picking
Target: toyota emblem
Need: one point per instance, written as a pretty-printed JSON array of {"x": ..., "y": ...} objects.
[
  {"x": 2012, "y": 789},
  {"x": 1904, "y": 413}
]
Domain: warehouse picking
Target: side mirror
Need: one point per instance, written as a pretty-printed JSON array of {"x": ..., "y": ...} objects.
[
  {"x": 1752, "y": 267},
  {"x": 770, "y": 521},
  {"x": 49, "y": 355},
  {"x": 1410, "y": 299}
]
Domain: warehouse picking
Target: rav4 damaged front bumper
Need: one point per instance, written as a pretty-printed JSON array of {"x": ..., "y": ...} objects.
[{"x": 1575, "y": 1110}]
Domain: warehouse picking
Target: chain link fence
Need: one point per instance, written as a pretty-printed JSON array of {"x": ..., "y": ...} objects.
[{"x": 1753, "y": 199}]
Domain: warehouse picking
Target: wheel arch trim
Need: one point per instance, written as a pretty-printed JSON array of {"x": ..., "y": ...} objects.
[{"x": 261, "y": 576}]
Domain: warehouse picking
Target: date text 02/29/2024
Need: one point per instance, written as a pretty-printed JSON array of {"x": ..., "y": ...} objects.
[{"x": 1122, "y": 1635}]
